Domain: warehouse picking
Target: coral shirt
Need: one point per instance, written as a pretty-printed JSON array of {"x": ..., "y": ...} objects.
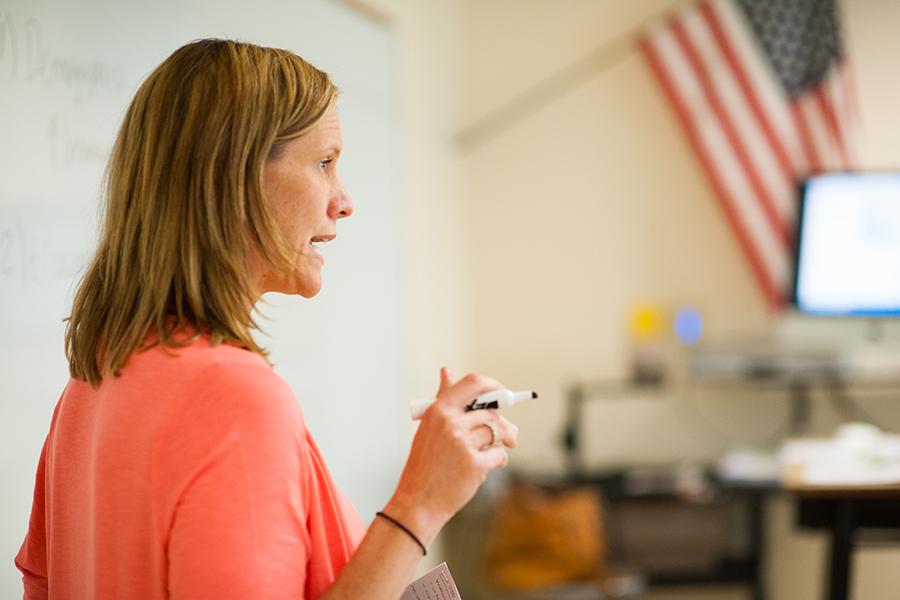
[{"x": 189, "y": 476}]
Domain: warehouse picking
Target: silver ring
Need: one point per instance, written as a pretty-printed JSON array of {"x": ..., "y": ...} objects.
[{"x": 495, "y": 436}]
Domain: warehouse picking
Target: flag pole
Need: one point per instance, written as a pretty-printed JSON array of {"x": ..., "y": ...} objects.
[{"x": 554, "y": 86}]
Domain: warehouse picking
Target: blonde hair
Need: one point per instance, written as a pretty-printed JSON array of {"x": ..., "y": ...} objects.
[{"x": 184, "y": 202}]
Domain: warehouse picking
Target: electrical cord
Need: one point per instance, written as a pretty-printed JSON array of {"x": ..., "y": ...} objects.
[
  {"x": 724, "y": 438},
  {"x": 846, "y": 406}
]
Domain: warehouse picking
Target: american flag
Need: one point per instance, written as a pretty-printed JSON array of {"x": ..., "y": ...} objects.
[{"x": 765, "y": 95}]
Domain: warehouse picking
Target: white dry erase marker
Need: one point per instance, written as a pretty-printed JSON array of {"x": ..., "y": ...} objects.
[{"x": 501, "y": 398}]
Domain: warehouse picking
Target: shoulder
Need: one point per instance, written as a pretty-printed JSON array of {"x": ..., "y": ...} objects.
[
  {"x": 218, "y": 383},
  {"x": 233, "y": 406},
  {"x": 237, "y": 380}
]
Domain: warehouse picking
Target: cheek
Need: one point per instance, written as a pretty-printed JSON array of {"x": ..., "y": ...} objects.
[
  {"x": 290, "y": 210},
  {"x": 301, "y": 223},
  {"x": 298, "y": 201}
]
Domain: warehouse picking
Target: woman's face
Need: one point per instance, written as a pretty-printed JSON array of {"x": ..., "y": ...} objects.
[{"x": 306, "y": 199}]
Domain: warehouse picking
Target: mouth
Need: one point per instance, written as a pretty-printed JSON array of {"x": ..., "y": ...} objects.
[{"x": 319, "y": 241}]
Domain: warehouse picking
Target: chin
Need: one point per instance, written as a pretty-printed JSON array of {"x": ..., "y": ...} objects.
[
  {"x": 305, "y": 291},
  {"x": 309, "y": 293},
  {"x": 308, "y": 286},
  {"x": 298, "y": 284}
]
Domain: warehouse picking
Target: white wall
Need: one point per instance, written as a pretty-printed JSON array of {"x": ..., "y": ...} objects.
[
  {"x": 430, "y": 48},
  {"x": 596, "y": 202},
  {"x": 586, "y": 207}
]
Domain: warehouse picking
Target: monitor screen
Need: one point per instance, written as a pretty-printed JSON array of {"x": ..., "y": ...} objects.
[{"x": 848, "y": 247}]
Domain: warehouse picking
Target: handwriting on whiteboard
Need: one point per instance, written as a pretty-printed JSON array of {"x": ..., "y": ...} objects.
[
  {"x": 26, "y": 59},
  {"x": 42, "y": 246}
]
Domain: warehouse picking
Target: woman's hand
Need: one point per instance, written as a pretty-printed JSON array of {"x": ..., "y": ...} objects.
[{"x": 450, "y": 457}]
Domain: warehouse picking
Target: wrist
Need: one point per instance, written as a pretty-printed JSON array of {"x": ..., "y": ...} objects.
[{"x": 424, "y": 523}]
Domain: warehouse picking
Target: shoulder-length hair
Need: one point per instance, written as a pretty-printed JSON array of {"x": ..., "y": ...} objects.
[{"x": 184, "y": 202}]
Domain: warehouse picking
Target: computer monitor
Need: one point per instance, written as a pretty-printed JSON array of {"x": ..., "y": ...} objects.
[{"x": 848, "y": 245}]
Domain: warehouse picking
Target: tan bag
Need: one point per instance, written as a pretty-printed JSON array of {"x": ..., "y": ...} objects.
[{"x": 539, "y": 538}]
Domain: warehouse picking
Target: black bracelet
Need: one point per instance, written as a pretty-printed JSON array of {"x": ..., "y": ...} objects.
[{"x": 405, "y": 530}]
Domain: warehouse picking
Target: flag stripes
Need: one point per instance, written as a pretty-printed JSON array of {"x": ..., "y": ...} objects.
[{"x": 753, "y": 140}]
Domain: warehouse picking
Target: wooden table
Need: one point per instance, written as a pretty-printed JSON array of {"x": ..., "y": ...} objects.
[{"x": 843, "y": 510}]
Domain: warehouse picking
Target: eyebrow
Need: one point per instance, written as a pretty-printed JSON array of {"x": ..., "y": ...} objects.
[{"x": 332, "y": 150}]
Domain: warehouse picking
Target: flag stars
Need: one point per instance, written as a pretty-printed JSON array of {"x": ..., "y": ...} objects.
[{"x": 800, "y": 38}]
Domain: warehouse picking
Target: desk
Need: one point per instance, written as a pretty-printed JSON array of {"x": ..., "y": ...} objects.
[
  {"x": 839, "y": 509},
  {"x": 745, "y": 568},
  {"x": 843, "y": 510}
]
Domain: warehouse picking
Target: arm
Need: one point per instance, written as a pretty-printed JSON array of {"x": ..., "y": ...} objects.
[
  {"x": 32, "y": 557},
  {"x": 447, "y": 463},
  {"x": 239, "y": 525},
  {"x": 230, "y": 470}
]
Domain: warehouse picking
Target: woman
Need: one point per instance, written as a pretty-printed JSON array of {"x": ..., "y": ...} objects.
[{"x": 178, "y": 464}]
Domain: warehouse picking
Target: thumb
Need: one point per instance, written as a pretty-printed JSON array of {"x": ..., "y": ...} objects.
[{"x": 446, "y": 380}]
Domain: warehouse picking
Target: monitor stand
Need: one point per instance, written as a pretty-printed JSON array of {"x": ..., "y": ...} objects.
[
  {"x": 864, "y": 348},
  {"x": 804, "y": 353}
]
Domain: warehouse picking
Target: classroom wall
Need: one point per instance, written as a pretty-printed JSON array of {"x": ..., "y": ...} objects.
[
  {"x": 600, "y": 204},
  {"x": 430, "y": 46},
  {"x": 595, "y": 202}
]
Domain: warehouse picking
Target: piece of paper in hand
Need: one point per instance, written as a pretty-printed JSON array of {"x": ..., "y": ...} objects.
[{"x": 436, "y": 584}]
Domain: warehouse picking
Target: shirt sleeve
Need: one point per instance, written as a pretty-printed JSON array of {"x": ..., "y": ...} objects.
[
  {"x": 32, "y": 557},
  {"x": 236, "y": 462}
]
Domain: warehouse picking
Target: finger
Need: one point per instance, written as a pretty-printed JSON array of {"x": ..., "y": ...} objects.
[
  {"x": 509, "y": 433},
  {"x": 475, "y": 420},
  {"x": 494, "y": 458},
  {"x": 446, "y": 380},
  {"x": 482, "y": 437},
  {"x": 466, "y": 389}
]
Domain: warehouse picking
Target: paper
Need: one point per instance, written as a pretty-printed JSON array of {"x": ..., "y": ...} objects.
[
  {"x": 850, "y": 475},
  {"x": 436, "y": 584},
  {"x": 845, "y": 460}
]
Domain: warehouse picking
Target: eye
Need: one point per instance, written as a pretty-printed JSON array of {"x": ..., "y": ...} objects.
[{"x": 324, "y": 163}]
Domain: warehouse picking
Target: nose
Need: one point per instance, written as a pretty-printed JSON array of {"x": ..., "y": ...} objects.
[{"x": 341, "y": 206}]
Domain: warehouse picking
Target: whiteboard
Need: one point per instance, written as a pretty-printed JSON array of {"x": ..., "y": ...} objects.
[{"x": 67, "y": 73}]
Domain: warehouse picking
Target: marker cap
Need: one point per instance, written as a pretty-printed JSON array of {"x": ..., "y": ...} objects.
[{"x": 417, "y": 408}]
